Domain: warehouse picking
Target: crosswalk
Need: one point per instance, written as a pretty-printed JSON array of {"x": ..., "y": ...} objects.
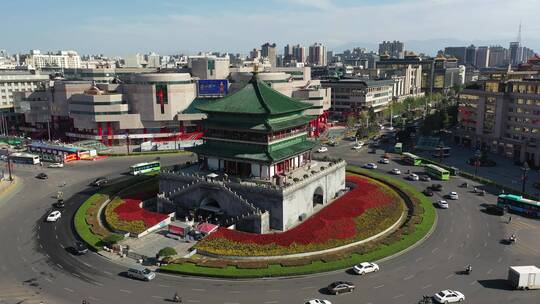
[
  {"x": 520, "y": 225},
  {"x": 19, "y": 295}
]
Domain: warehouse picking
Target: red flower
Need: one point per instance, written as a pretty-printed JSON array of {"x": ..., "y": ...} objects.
[
  {"x": 336, "y": 221},
  {"x": 130, "y": 211}
]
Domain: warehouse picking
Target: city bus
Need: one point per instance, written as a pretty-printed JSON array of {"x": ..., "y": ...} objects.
[
  {"x": 411, "y": 159},
  {"x": 24, "y": 158},
  {"x": 437, "y": 172},
  {"x": 398, "y": 148},
  {"x": 142, "y": 168},
  {"x": 519, "y": 204}
]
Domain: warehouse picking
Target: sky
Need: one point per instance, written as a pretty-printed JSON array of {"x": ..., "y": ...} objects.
[{"x": 121, "y": 27}]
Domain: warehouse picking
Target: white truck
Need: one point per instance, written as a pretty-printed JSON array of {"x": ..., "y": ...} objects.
[{"x": 524, "y": 277}]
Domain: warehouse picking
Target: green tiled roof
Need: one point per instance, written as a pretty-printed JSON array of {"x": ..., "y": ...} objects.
[
  {"x": 255, "y": 98},
  {"x": 243, "y": 152},
  {"x": 289, "y": 123},
  {"x": 192, "y": 108}
]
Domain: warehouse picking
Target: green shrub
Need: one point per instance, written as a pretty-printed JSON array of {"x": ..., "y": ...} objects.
[
  {"x": 112, "y": 238},
  {"x": 167, "y": 252}
]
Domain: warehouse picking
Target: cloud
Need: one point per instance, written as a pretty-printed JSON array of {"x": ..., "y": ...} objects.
[{"x": 320, "y": 4}]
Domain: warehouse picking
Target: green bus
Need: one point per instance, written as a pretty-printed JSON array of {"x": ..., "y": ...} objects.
[
  {"x": 519, "y": 204},
  {"x": 411, "y": 159},
  {"x": 142, "y": 168},
  {"x": 398, "y": 148},
  {"x": 437, "y": 172}
]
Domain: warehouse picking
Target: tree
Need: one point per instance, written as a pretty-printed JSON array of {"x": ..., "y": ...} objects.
[
  {"x": 112, "y": 239},
  {"x": 167, "y": 251},
  {"x": 371, "y": 115},
  {"x": 362, "y": 118},
  {"x": 351, "y": 121}
]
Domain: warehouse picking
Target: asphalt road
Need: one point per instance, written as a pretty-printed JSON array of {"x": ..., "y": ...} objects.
[{"x": 36, "y": 266}]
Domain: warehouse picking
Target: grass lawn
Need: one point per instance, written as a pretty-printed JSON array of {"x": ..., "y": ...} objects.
[
  {"x": 82, "y": 228},
  {"x": 276, "y": 270}
]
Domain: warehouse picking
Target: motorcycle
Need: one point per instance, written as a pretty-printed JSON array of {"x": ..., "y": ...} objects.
[
  {"x": 464, "y": 185},
  {"x": 425, "y": 300},
  {"x": 483, "y": 193},
  {"x": 468, "y": 270},
  {"x": 512, "y": 239},
  {"x": 176, "y": 298}
]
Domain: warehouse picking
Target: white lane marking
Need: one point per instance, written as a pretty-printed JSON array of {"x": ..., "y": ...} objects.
[
  {"x": 398, "y": 296},
  {"x": 163, "y": 285},
  {"x": 87, "y": 265},
  {"x": 271, "y": 302},
  {"x": 445, "y": 240},
  {"x": 472, "y": 283},
  {"x": 158, "y": 297},
  {"x": 198, "y": 289},
  {"x": 426, "y": 286},
  {"x": 485, "y": 244},
  {"x": 434, "y": 249},
  {"x": 451, "y": 229},
  {"x": 69, "y": 289},
  {"x": 59, "y": 265},
  {"x": 48, "y": 280},
  {"x": 24, "y": 259},
  {"x": 75, "y": 274},
  {"x": 62, "y": 245},
  {"x": 37, "y": 236},
  {"x": 273, "y": 290},
  {"x": 379, "y": 286},
  {"x": 125, "y": 290},
  {"x": 499, "y": 259},
  {"x": 19, "y": 248},
  {"x": 106, "y": 272},
  {"x": 461, "y": 245},
  {"x": 418, "y": 259},
  {"x": 468, "y": 235},
  {"x": 193, "y": 301},
  {"x": 431, "y": 267},
  {"x": 231, "y": 303},
  {"x": 93, "y": 298},
  {"x": 470, "y": 226},
  {"x": 477, "y": 255},
  {"x": 56, "y": 236},
  {"x": 41, "y": 246},
  {"x": 308, "y": 287},
  {"x": 234, "y": 291},
  {"x": 34, "y": 269},
  {"x": 450, "y": 256},
  {"x": 98, "y": 283},
  {"x": 489, "y": 271},
  {"x": 408, "y": 277},
  {"x": 489, "y": 234},
  {"x": 449, "y": 276}
]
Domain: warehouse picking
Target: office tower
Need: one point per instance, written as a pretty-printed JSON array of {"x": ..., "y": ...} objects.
[
  {"x": 317, "y": 54},
  {"x": 268, "y": 50},
  {"x": 393, "y": 48}
]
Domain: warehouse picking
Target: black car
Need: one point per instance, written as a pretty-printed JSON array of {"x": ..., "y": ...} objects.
[
  {"x": 80, "y": 248},
  {"x": 436, "y": 187},
  {"x": 100, "y": 182},
  {"x": 42, "y": 176},
  {"x": 340, "y": 287},
  {"x": 60, "y": 204},
  {"x": 427, "y": 192},
  {"x": 494, "y": 209}
]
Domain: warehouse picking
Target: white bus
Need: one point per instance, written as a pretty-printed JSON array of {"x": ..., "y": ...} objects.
[{"x": 24, "y": 158}]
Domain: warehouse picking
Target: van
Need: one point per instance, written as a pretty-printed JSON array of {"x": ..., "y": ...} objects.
[{"x": 141, "y": 273}]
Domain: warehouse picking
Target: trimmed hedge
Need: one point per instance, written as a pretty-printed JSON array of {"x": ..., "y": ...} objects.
[
  {"x": 417, "y": 227},
  {"x": 84, "y": 228}
]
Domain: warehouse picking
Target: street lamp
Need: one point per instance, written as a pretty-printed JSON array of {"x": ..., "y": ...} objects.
[
  {"x": 524, "y": 169},
  {"x": 477, "y": 163}
]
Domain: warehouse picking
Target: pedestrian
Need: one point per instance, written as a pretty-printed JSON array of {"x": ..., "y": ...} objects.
[{"x": 509, "y": 219}]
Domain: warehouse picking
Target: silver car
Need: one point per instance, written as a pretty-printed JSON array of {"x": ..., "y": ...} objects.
[{"x": 141, "y": 273}]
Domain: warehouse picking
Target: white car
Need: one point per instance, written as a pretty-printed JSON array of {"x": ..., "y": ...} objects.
[
  {"x": 449, "y": 296},
  {"x": 413, "y": 177},
  {"x": 318, "y": 301},
  {"x": 54, "y": 216},
  {"x": 453, "y": 195},
  {"x": 370, "y": 166},
  {"x": 442, "y": 204},
  {"x": 384, "y": 161},
  {"x": 322, "y": 150},
  {"x": 396, "y": 171},
  {"x": 56, "y": 165},
  {"x": 365, "y": 267},
  {"x": 358, "y": 146}
]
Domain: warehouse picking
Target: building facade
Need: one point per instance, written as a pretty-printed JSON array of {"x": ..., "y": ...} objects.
[
  {"x": 395, "y": 49},
  {"x": 352, "y": 96},
  {"x": 209, "y": 66},
  {"x": 12, "y": 81},
  {"x": 317, "y": 55},
  {"x": 62, "y": 59},
  {"x": 501, "y": 114},
  {"x": 268, "y": 50}
]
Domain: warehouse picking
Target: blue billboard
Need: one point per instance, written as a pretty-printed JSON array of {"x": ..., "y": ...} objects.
[{"x": 212, "y": 87}]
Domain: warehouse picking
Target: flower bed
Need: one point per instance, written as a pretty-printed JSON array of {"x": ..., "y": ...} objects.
[{"x": 364, "y": 211}]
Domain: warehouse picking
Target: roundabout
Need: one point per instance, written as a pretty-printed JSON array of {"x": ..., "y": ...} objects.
[{"x": 37, "y": 267}]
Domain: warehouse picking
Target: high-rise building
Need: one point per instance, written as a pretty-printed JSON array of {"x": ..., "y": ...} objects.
[
  {"x": 460, "y": 52},
  {"x": 287, "y": 52},
  {"x": 62, "y": 59},
  {"x": 299, "y": 53},
  {"x": 268, "y": 50},
  {"x": 482, "y": 57},
  {"x": 498, "y": 56},
  {"x": 12, "y": 81},
  {"x": 255, "y": 54},
  {"x": 393, "y": 48},
  {"x": 470, "y": 55},
  {"x": 209, "y": 66},
  {"x": 317, "y": 54}
]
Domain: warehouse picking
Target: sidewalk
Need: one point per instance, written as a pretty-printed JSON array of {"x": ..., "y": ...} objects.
[
  {"x": 505, "y": 172},
  {"x": 8, "y": 187}
]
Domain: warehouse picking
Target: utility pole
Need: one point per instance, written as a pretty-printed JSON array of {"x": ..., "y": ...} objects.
[
  {"x": 127, "y": 143},
  {"x": 49, "y": 129},
  {"x": 9, "y": 165}
]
